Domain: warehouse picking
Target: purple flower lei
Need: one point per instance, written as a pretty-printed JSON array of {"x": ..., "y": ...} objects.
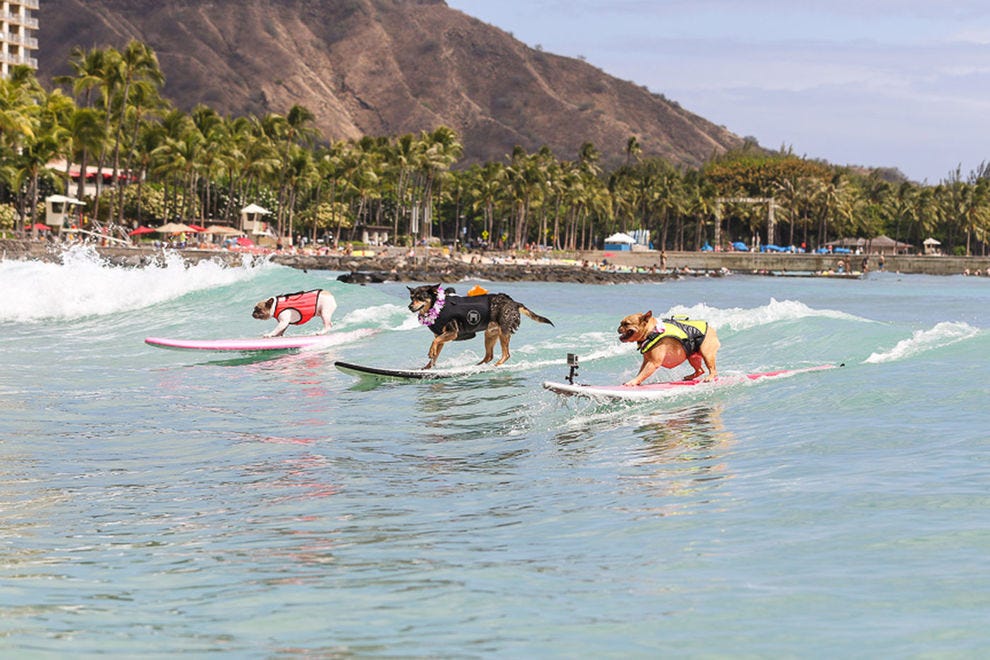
[{"x": 431, "y": 317}]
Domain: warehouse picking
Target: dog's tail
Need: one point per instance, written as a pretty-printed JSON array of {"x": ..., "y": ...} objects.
[{"x": 533, "y": 315}]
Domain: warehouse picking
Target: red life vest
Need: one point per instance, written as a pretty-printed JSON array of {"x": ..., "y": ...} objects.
[{"x": 303, "y": 302}]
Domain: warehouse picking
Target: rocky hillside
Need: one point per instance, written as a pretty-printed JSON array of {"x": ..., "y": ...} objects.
[{"x": 381, "y": 67}]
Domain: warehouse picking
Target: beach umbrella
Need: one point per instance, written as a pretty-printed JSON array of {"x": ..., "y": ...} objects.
[
  {"x": 197, "y": 228},
  {"x": 141, "y": 230},
  {"x": 39, "y": 227},
  {"x": 223, "y": 231},
  {"x": 244, "y": 241},
  {"x": 174, "y": 228}
]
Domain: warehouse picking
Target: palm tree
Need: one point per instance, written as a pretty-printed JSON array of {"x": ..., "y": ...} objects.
[
  {"x": 400, "y": 159},
  {"x": 18, "y": 108},
  {"x": 23, "y": 137},
  {"x": 149, "y": 138},
  {"x": 436, "y": 152},
  {"x": 50, "y": 140},
  {"x": 834, "y": 201},
  {"x": 525, "y": 176},
  {"x": 215, "y": 134},
  {"x": 88, "y": 67},
  {"x": 487, "y": 184},
  {"x": 633, "y": 150},
  {"x": 179, "y": 158},
  {"x": 136, "y": 67},
  {"x": 300, "y": 173}
]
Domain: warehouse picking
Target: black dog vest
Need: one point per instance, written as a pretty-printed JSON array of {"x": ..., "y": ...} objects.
[{"x": 472, "y": 314}]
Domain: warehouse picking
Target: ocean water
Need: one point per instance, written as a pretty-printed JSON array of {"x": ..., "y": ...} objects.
[{"x": 162, "y": 502}]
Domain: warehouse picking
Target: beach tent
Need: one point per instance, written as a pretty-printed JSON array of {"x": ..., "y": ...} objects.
[
  {"x": 931, "y": 245},
  {"x": 620, "y": 242},
  {"x": 882, "y": 243}
]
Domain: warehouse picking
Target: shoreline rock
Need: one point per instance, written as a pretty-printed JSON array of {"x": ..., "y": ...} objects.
[{"x": 595, "y": 267}]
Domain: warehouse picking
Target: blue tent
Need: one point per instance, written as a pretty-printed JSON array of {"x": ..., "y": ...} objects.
[{"x": 619, "y": 242}]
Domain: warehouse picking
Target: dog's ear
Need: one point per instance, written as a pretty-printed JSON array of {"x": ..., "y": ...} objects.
[
  {"x": 410, "y": 288},
  {"x": 648, "y": 315}
]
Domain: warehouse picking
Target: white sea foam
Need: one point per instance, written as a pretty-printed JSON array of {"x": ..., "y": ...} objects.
[
  {"x": 943, "y": 334},
  {"x": 386, "y": 317},
  {"x": 773, "y": 312},
  {"x": 85, "y": 285},
  {"x": 367, "y": 314}
]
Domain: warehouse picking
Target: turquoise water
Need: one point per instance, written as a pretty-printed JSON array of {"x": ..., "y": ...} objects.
[{"x": 159, "y": 502}]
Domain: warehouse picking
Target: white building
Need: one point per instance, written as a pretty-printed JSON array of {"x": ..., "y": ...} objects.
[{"x": 17, "y": 30}]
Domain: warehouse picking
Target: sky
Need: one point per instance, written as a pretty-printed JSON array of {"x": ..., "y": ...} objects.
[{"x": 878, "y": 83}]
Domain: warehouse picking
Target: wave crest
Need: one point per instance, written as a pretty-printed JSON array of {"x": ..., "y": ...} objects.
[
  {"x": 775, "y": 311},
  {"x": 85, "y": 285},
  {"x": 942, "y": 334}
]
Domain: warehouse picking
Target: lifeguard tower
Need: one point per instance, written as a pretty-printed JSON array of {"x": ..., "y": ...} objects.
[
  {"x": 59, "y": 209},
  {"x": 253, "y": 224}
]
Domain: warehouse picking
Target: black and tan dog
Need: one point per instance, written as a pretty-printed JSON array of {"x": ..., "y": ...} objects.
[
  {"x": 455, "y": 318},
  {"x": 676, "y": 340}
]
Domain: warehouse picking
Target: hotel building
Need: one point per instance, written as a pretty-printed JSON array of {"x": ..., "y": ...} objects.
[{"x": 17, "y": 30}]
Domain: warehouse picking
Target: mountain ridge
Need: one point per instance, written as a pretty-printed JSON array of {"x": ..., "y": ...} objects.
[{"x": 382, "y": 67}]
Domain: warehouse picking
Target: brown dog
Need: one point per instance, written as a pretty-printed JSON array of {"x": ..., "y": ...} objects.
[
  {"x": 454, "y": 318},
  {"x": 676, "y": 340}
]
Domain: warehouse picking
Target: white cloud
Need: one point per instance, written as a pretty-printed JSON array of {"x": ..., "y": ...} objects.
[{"x": 879, "y": 82}]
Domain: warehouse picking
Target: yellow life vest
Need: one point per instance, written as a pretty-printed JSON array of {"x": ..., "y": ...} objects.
[{"x": 689, "y": 333}]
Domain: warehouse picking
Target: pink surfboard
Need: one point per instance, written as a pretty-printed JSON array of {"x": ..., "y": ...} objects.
[
  {"x": 256, "y": 343},
  {"x": 659, "y": 390}
]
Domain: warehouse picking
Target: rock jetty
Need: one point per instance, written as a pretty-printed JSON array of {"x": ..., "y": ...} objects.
[{"x": 593, "y": 267}]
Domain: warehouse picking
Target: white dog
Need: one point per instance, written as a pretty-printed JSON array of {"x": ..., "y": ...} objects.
[{"x": 296, "y": 309}]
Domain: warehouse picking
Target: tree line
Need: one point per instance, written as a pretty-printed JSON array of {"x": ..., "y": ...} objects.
[{"x": 203, "y": 166}]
